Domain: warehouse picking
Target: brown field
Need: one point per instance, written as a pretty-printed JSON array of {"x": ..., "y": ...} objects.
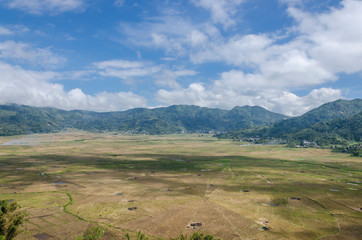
[{"x": 68, "y": 181}]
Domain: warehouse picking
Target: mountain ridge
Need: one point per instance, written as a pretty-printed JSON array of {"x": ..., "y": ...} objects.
[{"x": 21, "y": 119}]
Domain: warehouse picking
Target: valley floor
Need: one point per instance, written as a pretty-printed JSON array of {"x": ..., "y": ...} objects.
[{"x": 68, "y": 181}]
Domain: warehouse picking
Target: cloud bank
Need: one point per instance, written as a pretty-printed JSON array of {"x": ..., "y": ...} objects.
[{"x": 35, "y": 88}]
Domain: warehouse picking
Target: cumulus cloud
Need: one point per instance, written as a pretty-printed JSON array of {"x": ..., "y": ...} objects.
[
  {"x": 221, "y": 11},
  {"x": 45, "y": 6},
  {"x": 335, "y": 36},
  {"x": 291, "y": 67},
  {"x": 34, "y": 88},
  {"x": 330, "y": 41},
  {"x": 236, "y": 88},
  {"x": 23, "y": 53},
  {"x": 275, "y": 100},
  {"x": 280, "y": 65},
  {"x": 195, "y": 94}
]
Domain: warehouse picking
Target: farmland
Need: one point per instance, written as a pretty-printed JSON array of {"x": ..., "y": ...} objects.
[{"x": 69, "y": 181}]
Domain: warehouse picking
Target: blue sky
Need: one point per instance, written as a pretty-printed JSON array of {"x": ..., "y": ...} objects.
[{"x": 287, "y": 56}]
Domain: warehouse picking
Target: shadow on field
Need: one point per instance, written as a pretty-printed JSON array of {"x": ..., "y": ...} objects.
[{"x": 32, "y": 168}]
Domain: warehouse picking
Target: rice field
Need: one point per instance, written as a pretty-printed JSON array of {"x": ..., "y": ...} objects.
[{"x": 160, "y": 185}]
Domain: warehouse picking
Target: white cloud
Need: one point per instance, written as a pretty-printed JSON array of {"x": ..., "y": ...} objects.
[
  {"x": 293, "y": 105},
  {"x": 12, "y": 29},
  {"x": 128, "y": 73},
  {"x": 237, "y": 51},
  {"x": 119, "y": 3},
  {"x": 78, "y": 75},
  {"x": 5, "y": 31},
  {"x": 172, "y": 33},
  {"x": 45, "y": 6},
  {"x": 291, "y": 67},
  {"x": 104, "y": 101},
  {"x": 221, "y": 96},
  {"x": 125, "y": 69},
  {"x": 21, "y": 86},
  {"x": 195, "y": 94},
  {"x": 221, "y": 11},
  {"x": 335, "y": 36},
  {"x": 23, "y": 53},
  {"x": 118, "y": 63},
  {"x": 169, "y": 78},
  {"x": 198, "y": 38},
  {"x": 237, "y": 88},
  {"x": 130, "y": 70},
  {"x": 272, "y": 65},
  {"x": 281, "y": 65}
]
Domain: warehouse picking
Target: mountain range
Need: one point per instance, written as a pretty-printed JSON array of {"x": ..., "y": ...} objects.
[
  {"x": 20, "y": 119},
  {"x": 331, "y": 123}
]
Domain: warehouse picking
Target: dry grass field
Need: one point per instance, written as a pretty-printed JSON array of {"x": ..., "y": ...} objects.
[{"x": 68, "y": 181}]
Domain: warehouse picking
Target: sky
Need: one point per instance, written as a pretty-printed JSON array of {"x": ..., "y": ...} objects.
[{"x": 288, "y": 56}]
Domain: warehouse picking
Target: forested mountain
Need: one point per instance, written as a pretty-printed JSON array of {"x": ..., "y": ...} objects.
[
  {"x": 19, "y": 119},
  {"x": 333, "y": 110},
  {"x": 332, "y": 122},
  {"x": 336, "y": 131}
]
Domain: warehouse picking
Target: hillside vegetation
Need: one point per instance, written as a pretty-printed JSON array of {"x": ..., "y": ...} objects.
[
  {"x": 335, "y": 131},
  {"x": 336, "y": 122},
  {"x": 16, "y": 119}
]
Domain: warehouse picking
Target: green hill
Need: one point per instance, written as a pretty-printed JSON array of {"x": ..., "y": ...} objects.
[
  {"x": 338, "y": 131},
  {"x": 330, "y": 123},
  {"x": 19, "y": 119},
  {"x": 329, "y": 111}
]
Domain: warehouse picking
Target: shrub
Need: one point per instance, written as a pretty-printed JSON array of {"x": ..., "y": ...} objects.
[
  {"x": 194, "y": 236},
  {"x": 92, "y": 233},
  {"x": 10, "y": 219}
]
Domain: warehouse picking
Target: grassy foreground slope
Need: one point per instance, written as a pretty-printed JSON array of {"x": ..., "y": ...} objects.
[{"x": 70, "y": 181}]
